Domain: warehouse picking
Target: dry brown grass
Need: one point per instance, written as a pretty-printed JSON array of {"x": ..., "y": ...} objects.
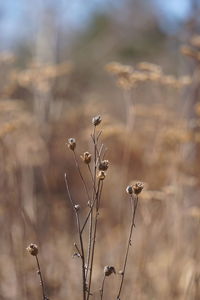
[{"x": 150, "y": 136}]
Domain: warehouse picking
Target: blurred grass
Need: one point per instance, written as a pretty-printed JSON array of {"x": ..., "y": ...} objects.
[{"x": 151, "y": 135}]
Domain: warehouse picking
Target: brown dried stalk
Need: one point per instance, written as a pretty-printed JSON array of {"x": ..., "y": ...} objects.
[
  {"x": 136, "y": 189},
  {"x": 81, "y": 252},
  {"x": 93, "y": 202},
  {"x": 33, "y": 250}
]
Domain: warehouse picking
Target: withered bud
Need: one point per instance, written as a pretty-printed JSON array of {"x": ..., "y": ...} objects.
[
  {"x": 71, "y": 144},
  {"x": 32, "y": 249},
  {"x": 138, "y": 187},
  {"x": 108, "y": 270},
  {"x": 101, "y": 175},
  {"x": 76, "y": 254},
  {"x": 77, "y": 207},
  {"x": 129, "y": 190},
  {"x": 96, "y": 120},
  {"x": 86, "y": 157},
  {"x": 103, "y": 165}
]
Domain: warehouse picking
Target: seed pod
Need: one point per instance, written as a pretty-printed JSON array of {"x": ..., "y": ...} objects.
[
  {"x": 96, "y": 120},
  {"x": 86, "y": 157},
  {"x": 103, "y": 165},
  {"x": 138, "y": 187},
  {"x": 101, "y": 175},
  {"x": 77, "y": 207},
  {"x": 129, "y": 190},
  {"x": 108, "y": 270},
  {"x": 32, "y": 249},
  {"x": 72, "y": 144}
]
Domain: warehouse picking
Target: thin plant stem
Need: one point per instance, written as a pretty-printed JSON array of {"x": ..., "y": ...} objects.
[
  {"x": 94, "y": 197},
  {"x": 90, "y": 224},
  {"x": 102, "y": 287},
  {"x": 91, "y": 204},
  {"x": 90, "y": 215},
  {"x": 99, "y": 189},
  {"x": 41, "y": 279},
  {"x": 82, "y": 253},
  {"x": 81, "y": 176},
  {"x": 134, "y": 205}
]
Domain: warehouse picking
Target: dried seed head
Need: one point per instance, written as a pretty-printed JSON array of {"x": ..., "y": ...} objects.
[
  {"x": 71, "y": 144},
  {"x": 96, "y": 120},
  {"x": 108, "y": 270},
  {"x": 77, "y": 207},
  {"x": 86, "y": 157},
  {"x": 101, "y": 175},
  {"x": 129, "y": 190},
  {"x": 32, "y": 249},
  {"x": 138, "y": 187},
  {"x": 103, "y": 165}
]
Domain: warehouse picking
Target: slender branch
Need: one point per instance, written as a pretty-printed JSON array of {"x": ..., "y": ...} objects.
[
  {"x": 81, "y": 176},
  {"x": 91, "y": 223},
  {"x": 102, "y": 287},
  {"x": 41, "y": 279},
  {"x": 80, "y": 239},
  {"x": 99, "y": 188},
  {"x": 134, "y": 203}
]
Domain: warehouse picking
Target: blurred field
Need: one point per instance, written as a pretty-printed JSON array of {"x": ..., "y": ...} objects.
[{"x": 150, "y": 127}]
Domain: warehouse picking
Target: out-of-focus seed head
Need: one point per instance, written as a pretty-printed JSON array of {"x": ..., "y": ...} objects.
[
  {"x": 71, "y": 144},
  {"x": 101, "y": 175},
  {"x": 138, "y": 187},
  {"x": 86, "y": 157},
  {"x": 103, "y": 165},
  {"x": 32, "y": 249},
  {"x": 96, "y": 120},
  {"x": 129, "y": 190},
  {"x": 108, "y": 270}
]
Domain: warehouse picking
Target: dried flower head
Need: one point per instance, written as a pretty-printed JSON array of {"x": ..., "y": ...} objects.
[
  {"x": 108, "y": 270},
  {"x": 129, "y": 190},
  {"x": 101, "y": 175},
  {"x": 118, "y": 69},
  {"x": 32, "y": 249},
  {"x": 103, "y": 165},
  {"x": 189, "y": 51},
  {"x": 138, "y": 187},
  {"x": 195, "y": 41},
  {"x": 146, "y": 66},
  {"x": 71, "y": 144},
  {"x": 96, "y": 120},
  {"x": 86, "y": 157},
  {"x": 77, "y": 207}
]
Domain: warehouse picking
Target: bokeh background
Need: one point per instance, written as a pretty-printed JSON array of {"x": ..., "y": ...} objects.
[{"x": 136, "y": 63}]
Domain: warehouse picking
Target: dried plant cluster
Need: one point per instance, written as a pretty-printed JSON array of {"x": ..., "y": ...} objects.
[
  {"x": 87, "y": 225},
  {"x": 151, "y": 124},
  {"x": 97, "y": 168}
]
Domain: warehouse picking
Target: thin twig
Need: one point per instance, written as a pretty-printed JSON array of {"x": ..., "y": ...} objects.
[
  {"x": 102, "y": 287},
  {"x": 81, "y": 176},
  {"x": 99, "y": 188},
  {"x": 41, "y": 279},
  {"x": 80, "y": 239},
  {"x": 134, "y": 203}
]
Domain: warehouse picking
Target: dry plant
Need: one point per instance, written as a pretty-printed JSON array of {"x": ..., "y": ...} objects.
[
  {"x": 162, "y": 148},
  {"x": 86, "y": 248},
  {"x": 33, "y": 250},
  {"x": 87, "y": 216}
]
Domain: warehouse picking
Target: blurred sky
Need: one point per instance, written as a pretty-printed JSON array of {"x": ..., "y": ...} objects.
[{"x": 19, "y": 17}]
